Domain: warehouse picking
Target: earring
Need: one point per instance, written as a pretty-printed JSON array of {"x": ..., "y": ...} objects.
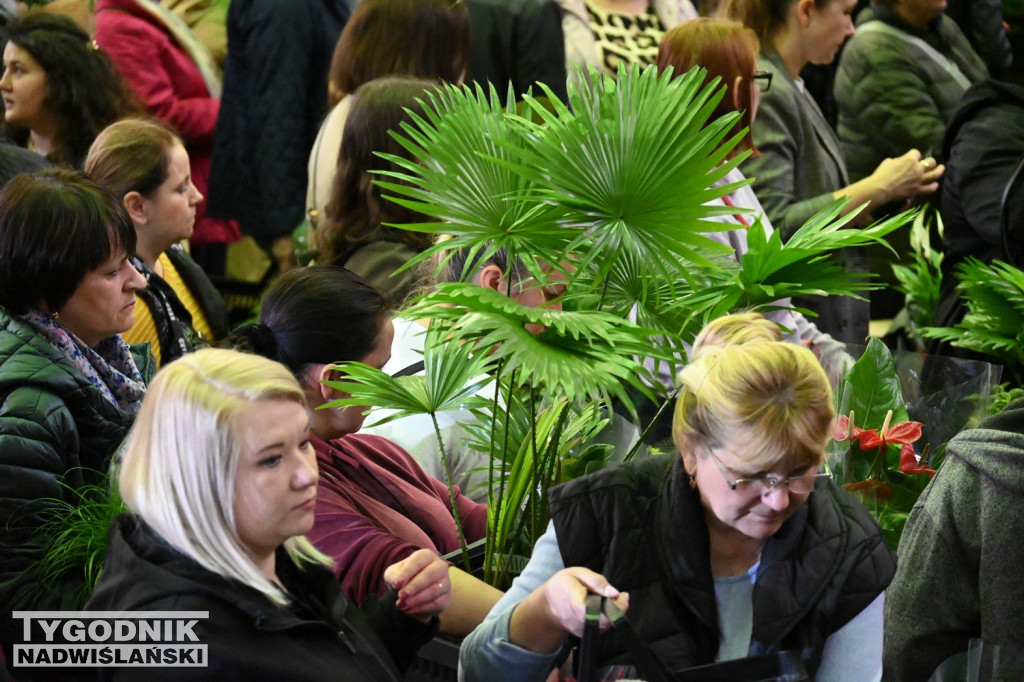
[
  {"x": 54, "y": 315},
  {"x": 693, "y": 482}
]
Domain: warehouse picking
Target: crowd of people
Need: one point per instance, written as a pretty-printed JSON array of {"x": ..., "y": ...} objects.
[{"x": 145, "y": 140}]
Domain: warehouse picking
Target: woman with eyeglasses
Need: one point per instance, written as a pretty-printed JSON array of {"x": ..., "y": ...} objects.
[
  {"x": 727, "y": 51},
  {"x": 800, "y": 168},
  {"x": 736, "y": 547}
]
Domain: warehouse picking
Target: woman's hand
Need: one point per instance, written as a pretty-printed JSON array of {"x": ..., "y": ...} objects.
[
  {"x": 422, "y": 584},
  {"x": 557, "y": 608},
  {"x": 907, "y": 176}
]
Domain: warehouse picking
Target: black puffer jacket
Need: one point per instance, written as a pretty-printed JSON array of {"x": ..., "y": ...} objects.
[
  {"x": 275, "y": 97},
  {"x": 643, "y": 528},
  {"x": 57, "y": 434},
  {"x": 322, "y": 636}
]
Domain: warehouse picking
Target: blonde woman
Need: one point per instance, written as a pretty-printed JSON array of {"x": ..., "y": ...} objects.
[
  {"x": 221, "y": 479},
  {"x": 737, "y": 546}
]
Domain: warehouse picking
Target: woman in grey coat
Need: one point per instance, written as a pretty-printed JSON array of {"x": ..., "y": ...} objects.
[{"x": 801, "y": 169}]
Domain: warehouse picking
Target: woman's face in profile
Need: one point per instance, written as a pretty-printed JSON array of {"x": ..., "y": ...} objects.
[
  {"x": 103, "y": 304},
  {"x": 24, "y": 89},
  {"x": 276, "y": 477}
]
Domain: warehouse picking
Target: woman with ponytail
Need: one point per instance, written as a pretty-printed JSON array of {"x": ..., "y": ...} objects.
[{"x": 375, "y": 506}]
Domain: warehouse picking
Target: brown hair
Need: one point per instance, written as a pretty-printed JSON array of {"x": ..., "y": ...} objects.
[
  {"x": 417, "y": 38},
  {"x": 131, "y": 156},
  {"x": 765, "y": 17},
  {"x": 357, "y": 211},
  {"x": 726, "y": 49}
]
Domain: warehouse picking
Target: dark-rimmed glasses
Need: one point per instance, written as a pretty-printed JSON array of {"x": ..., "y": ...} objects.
[
  {"x": 800, "y": 485},
  {"x": 763, "y": 80}
]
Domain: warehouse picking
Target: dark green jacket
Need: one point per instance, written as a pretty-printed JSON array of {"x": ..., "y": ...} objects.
[
  {"x": 642, "y": 527},
  {"x": 892, "y": 96},
  {"x": 57, "y": 434}
]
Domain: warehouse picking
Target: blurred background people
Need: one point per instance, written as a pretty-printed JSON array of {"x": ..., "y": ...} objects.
[
  {"x": 178, "y": 80},
  {"x": 428, "y": 39},
  {"x": 356, "y": 231},
  {"x": 800, "y": 168},
  {"x": 59, "y": 90},
  {"x": 274, "y": 99}
]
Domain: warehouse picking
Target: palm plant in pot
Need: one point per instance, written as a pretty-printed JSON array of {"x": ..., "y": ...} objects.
[{"x": 611, "y": 190}]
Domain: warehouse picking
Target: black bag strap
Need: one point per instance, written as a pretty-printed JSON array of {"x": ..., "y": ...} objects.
[
  {"x": 414, "y": 368},
  {"x": 1010, "y": 248},
  {"x": 643, "y": 659}
]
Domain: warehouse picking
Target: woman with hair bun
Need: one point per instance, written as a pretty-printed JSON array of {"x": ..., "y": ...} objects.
[
  {"x": 376, "y": 505},
  {"x": 748, "y": 547},
  {"x": 59, "y": 90},
  {"x": 221, "y": 479},
  {"x": 145, "y": 164}
]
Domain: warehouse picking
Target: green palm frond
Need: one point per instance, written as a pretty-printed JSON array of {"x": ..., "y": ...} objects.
[
  {"x": 994, "y": 323},
  {"x": 452, "y": 377},
  {"x": 802, "y": 266},
  {"x": 469, "y": 146},
  {"x": 632, "y": 162},
  {"x": 582, "y": 355}
]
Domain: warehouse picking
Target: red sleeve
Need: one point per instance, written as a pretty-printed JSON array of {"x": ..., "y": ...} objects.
[
  {"x": 143, "y": 54},
  {"x": 361, "y": 549}
]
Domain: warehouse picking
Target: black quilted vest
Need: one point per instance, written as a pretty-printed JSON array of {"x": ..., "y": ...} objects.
[{"x": 642, "y": 527}]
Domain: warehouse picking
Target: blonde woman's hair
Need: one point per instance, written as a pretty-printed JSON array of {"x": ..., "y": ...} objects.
[
  {"x": 179, "y": 462},
  {"x": 731, "y": 330},
  {"x": 769, "y": 400}
]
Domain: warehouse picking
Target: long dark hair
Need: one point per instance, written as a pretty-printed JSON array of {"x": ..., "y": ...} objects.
[
  {"x": 315, "y": 315},
  {"x": 85, "y": 92},
  {"x": 357, "y": 211}
]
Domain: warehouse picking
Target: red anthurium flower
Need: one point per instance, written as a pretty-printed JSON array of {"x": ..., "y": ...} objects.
[
  {"x": 902, "y": 433},
  {"x": 841, "y": 428},
  {"x": 909, "y": 463}
]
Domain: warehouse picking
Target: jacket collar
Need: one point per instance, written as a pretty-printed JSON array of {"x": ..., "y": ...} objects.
[{"x": 797, "y": 564}]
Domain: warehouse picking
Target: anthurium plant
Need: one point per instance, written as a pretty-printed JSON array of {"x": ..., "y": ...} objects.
[{"x": 876, "y": 451}]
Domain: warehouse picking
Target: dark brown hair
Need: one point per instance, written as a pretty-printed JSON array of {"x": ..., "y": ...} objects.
[
  {"x": 417, "y": 38},
  {"x": 357, "y": 210},
  {"x": 726, "y": 49},
  {"x": 85, "y": 92},
  {"x": 56, "y": 226},
  {"x": 765, "y": 17}
]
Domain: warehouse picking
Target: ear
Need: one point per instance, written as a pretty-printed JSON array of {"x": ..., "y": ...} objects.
[
  {"x": 804, "y": 10},
  {"x": 135, "y": 204},
  {"x": 737, "y": 84},
  {"x": 316, "y": 389},
  {"x": 490, "y": 276},
  {"x": 689, "y": 461}
]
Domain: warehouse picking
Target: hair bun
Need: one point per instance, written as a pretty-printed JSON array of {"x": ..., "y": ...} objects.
[{"x": 255, "y": 337}]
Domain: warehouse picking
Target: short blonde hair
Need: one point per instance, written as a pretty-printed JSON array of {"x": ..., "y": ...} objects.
[
  {"x": 738, "y": 328},
  {"x": 768, "y": 400},
  {"x": 179, "y": 462}
]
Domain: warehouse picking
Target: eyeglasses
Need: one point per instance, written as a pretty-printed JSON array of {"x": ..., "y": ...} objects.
[
  {"x": 763, "y": 80},
  {"x": 799, "y": 485}
]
